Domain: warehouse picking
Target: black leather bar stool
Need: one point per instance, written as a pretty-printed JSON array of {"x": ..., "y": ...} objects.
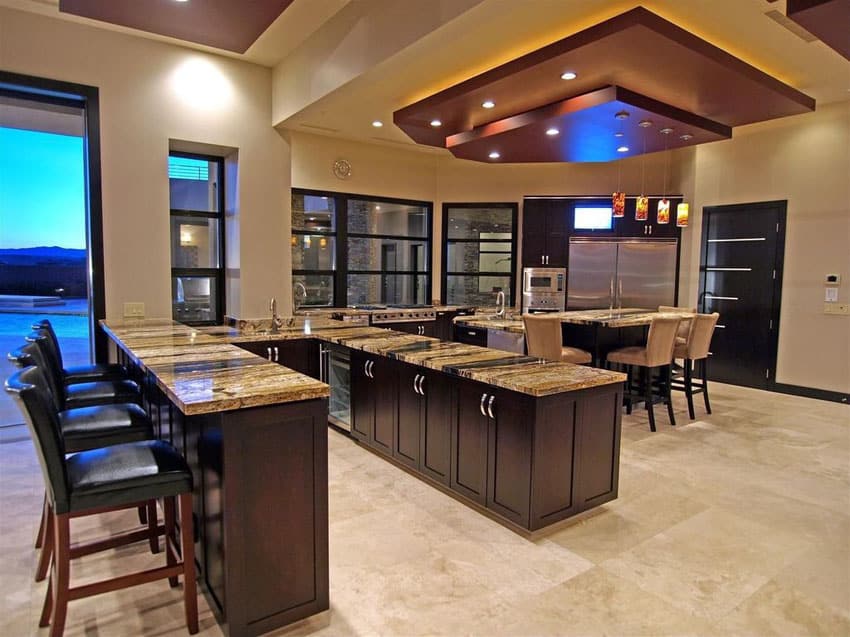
[
  {"x": 68, "y": 396},
  {"x": 79, "y": 373},
  {"x": 108, "y": 479}
]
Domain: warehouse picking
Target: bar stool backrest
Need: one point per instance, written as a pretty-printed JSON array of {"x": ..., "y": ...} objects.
[
  {"x": 44, "y": 326},
  {"x": 661, "y": 340},
  {"x": 43, "y": 358},
  {"x": 27, "y": 387},
  {"x": 702, "y": 331},
  {"x": 543, "y": 336},
  {"x": 685, "y": 325}
]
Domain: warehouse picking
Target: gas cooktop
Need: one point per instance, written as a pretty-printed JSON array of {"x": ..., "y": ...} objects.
[{"x": 408, "y": 306}]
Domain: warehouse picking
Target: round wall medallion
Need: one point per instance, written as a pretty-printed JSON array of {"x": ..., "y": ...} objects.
[{"x": 342, "y": 169}]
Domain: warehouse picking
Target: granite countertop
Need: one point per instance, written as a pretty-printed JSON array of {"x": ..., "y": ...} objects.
[
  {"x": 626, "y": 317},
  {"x": 202, "y": 369}
]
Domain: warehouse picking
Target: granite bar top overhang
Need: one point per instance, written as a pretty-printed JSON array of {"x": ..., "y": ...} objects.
[{"x": 203, "y": 370}]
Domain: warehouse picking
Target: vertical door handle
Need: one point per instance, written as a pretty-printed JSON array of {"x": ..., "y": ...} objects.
[
  {"x": 276, "y": 355},
  {"x": 269, "y": 353},
  {"x": 490, "y": 406},
  {"x": 371, "y": 369},
  {"x": 415, "y": 380},
  {"x": 481, "y": 406},
  {"x": 366, "y": 368},
  {"x": 421, "y": 380}
]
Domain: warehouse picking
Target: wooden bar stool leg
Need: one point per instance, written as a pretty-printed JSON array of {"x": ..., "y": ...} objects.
[
  {"x": 153, "y": 536},
  {"x": 646, "y": 372},
  {"x": 61, "y": 573},
  {"x": 704, "y": 366},
  {"x": 47, "y": 549},
  {"x": 47, "y": 607},
  {"x": 170, "y": 538},
  {"x": 689, "y": 388},
  {"x": 190, "y": 593},
  {"x": 42, "y": 525},
  {"x": 668, "y": 394},
  {"x": 143, "y": 515}
]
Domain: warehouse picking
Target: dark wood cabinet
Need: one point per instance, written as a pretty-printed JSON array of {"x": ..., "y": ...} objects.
[
  {"x": 628, "y": 226},
  {"x": 373, "y": 396},
  {"x": 423, "y": 423},
  {"x": 545, "y": 230},
  {"x": 301, "y": 355},
  {"x": 470, "y": 335},
  {"x": 469, "y": 441},
  {"x": 443, "y": 326},
  {"x": 421, "y": 328}
]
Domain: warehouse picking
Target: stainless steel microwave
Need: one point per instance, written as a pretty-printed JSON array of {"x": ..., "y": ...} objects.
[{"x": 544, "y": 280}]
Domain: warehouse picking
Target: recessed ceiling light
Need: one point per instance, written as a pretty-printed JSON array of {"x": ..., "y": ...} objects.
[
  {"x": 686, "y": 137},
  {"x": 181, "y": 0},
  {"x": 494, "y": 155},
  {"x": 622, "y": 115},
  {"x": 377, "y": 123},
  {"x": 377, "y": 207},
  {"x": 436, "y": 123},
  {"x": 568, "y": 75},
  {"x": 552, "y": 131},
  {"x": 623, "y": 149},
  {"x": 618, "y": 134},
  {"x": 666, "y": 131},
  {"x": 488, "y": 104},
  {"x": 645, "y": 123}
]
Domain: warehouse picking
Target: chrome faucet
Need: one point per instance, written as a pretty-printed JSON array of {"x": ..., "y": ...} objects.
[
  {"x": 500, "y": 304},
  {"x": 297, "y": 299},
  {"x": 276, "y": 320}
]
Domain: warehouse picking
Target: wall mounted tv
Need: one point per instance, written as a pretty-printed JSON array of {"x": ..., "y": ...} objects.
[{"x": 593, "y": 218}]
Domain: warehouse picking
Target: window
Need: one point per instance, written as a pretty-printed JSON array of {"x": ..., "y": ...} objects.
[
  {"x": 197, "y": 240},
  {"x": 356, "y": 250},
  {"x": 479, "y": 258}
]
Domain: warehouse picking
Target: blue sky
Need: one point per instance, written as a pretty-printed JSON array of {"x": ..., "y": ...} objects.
[{"x": 42, "y": 192}]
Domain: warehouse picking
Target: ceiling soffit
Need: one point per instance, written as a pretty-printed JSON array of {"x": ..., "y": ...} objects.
[
  {"x": 827, "y": 19},
  {"x": 678, "y": 75}
]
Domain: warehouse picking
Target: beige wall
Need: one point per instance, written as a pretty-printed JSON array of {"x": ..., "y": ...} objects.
[
  {"x": 805, "y": 160},
  {"x": 145, "y": 102}
]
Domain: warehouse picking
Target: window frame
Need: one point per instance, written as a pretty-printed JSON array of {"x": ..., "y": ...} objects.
[
  {"x": 444, "y": 252},
  {"x": 215, "y": 273},
  {"x": 341, "y": 236}
]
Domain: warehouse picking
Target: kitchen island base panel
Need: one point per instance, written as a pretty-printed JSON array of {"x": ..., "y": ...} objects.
[{"x": 261, "y": 501}]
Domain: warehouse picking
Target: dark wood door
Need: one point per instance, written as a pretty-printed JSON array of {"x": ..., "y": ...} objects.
[
  {"x": 410, "y": 416},
  {"x": 469, "y": 442},
  {"x": 509, "y": 455},
  {"x": 436, "y": 427},
  {"x": 741, "y": 278},
  {"x": 362, "y": 398},
  {"x": 383, "y": 389}
]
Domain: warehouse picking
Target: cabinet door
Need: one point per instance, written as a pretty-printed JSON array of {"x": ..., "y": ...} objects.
[
  {"x": 436, "y": 427},
  {"x": 471, "y": 335},
  {"x": 534, "y": 213},
  {"x": 410, "y": 408},
  {"x": 627, "y": 225},
  {"x": 302, "y": 355},
  {"x": 469, "y": 443},
  {"x": 362, "y": 398},
  {"x": 557, "y": 231},
  {"x": 443, "y": 325},
  {"x": 509, "y": 455},
  {"x": 383, "y": 389},
  {"x": 429, "y": 328},
  {"x": 260, "y": 348}
]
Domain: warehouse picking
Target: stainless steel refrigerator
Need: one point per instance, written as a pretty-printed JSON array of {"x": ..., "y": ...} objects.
[{"x": 621, "y": 273}]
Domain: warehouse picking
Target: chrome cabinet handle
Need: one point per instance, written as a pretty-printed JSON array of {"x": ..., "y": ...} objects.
[
  {"x": 421, "y": 380},
  {"x": 371, "y": 369},
  {"x": 276, "y": 355},
  {"x": 490, "y": 406},
  {"x": 269, "y": 353},
  {"x": 366, "y": 369},
  {"x": 542, "y": 260},
  {"x": 481, "y": 406},
  {"x": 415, "y": 380}
]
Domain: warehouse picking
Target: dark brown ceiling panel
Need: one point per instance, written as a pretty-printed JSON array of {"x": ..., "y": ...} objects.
[
  {"x": 637, "y": 49},
  {"x": 588, "y": 129},
  {"x": 223, "y": 24},
  {"x": 827, "y": 19}
]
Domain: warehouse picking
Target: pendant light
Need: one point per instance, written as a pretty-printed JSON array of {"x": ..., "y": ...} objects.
[
  {"x": 642, "y": 204},
  {"x": 294, "y": 241},
  {"x": 663, "y": 214},
  {"x": 682, "y": 215},
  {"x": 618, "y": 199}
]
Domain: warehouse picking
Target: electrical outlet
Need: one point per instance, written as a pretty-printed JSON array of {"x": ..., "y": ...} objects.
[
  {"x": 134, "y": 310},
  {"x": 836, "y": 308}
]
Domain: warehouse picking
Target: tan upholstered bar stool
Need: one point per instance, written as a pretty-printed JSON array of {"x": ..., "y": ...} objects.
[
  {"x": 685, "y": 325},
  {"x": 695, "y": 350},
  {"x": 657, "y": 355},
  {"x": 543, "y": 339}
]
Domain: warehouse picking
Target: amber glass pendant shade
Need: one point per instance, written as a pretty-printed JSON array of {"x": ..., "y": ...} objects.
[
  {"x": 323, "y": 243},
  {"x": 641, "y": 208},
  {"x": 664, "y": 211},
  {"x": 618, "y": 204},
  {"x": 294, "y": 240},
  {"x": 682, "y": 215}
]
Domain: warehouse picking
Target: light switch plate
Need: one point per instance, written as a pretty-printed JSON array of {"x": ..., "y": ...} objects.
[
  {"x": 134, "y": 310},
  {"x": 836, "y": 308},
  {"x": 831, "y": 295}
]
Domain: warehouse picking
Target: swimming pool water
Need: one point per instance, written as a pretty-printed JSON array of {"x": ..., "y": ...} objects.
[{"x": 68, "y": 325}]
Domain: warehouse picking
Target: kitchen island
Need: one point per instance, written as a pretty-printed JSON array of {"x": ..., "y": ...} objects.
[{"x": 526, "y": 442}]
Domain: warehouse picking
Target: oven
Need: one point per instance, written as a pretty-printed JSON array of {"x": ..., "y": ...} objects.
[{"x": 544, "y": 289}]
